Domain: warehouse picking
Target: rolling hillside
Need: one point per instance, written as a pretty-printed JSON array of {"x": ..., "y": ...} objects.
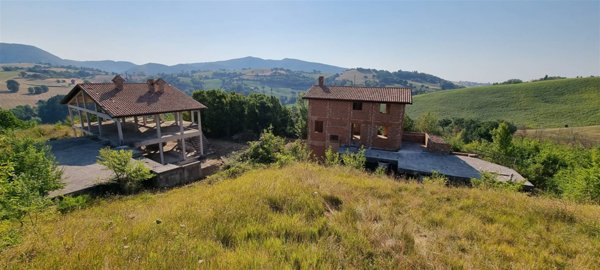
[
  {"x": 543, "y": 104},
  {"x": 305, "y": 216}
]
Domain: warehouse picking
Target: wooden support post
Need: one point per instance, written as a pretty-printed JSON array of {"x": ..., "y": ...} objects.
[
  {"x": 160, "y": 146},
  {"x": 192, "y": 116},
  {"x": 99, "y": 121},
  {"x": 135, "y": 119},
  {"x": 201, "y": 135},
  {"x": 179, "y": 116},
  {"x": 72, "y": 122},
  {"x": 144, "y": 120},
  {"x": 120, "y": 131},
  {"x": 79, "y": 112}
]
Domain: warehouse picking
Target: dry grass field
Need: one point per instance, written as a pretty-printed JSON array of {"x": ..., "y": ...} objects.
[
  {"x": 10, "y": 100},
  {"x": 586, "y": 136},
  {"x": 306, "y": 216}
]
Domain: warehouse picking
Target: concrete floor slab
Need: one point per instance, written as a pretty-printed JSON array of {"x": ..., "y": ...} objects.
[
  {"x": 77, "y": 159},
  {"x": 415, "y": 159}
]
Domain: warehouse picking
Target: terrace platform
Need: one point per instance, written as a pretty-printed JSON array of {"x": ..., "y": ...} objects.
[{"x": 414, "y": 159}]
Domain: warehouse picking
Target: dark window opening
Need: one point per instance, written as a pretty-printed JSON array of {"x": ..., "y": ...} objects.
[
  {"x": 319, "y": 126},
  {"x": 382, "y": 132},
  {"x": 334, "y": 138},
  {"x": 384, "y": 108},
  {"x": 357, "y": 106}
]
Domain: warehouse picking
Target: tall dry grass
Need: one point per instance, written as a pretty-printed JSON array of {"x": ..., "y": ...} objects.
[{"x": 307, "y": 216}]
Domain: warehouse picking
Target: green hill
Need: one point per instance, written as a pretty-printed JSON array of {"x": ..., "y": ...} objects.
[
  {"x": 305, "y": 216},
  {"x": 543, "y": 104}
]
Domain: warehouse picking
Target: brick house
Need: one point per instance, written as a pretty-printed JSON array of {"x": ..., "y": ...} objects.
[{"x": 367, "y": 116}]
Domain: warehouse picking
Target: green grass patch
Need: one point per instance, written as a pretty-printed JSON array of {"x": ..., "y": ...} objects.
[{"x": 543, "y": 104}]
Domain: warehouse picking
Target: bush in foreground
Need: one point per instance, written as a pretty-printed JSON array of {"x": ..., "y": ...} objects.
[{"x": 128, "y": 173}]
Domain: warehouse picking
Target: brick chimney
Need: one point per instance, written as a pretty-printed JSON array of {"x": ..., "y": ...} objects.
[
  {"x": 150, "y": 83},
  {"x": 161, "y": 85},
  {"x": 321, "y": 81},
  {"x": 118, "y": 81}
]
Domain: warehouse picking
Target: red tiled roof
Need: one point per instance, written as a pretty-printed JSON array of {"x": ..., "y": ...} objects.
[
  {"x": 135, "y": 99},
  {"x": 373, "y": 94}
]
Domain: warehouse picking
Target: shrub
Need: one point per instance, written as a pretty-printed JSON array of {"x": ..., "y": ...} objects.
[
  {"x": 264, "y": 151},
  {"x": 380, "y": 170},
  {"x": 28, "y": 172},
  {"x": 9, "y": 121},
  {"x": 436, "y": 179},
  {"x": 70, "y": 203},
  {"x": 128, "y": 173},
  {"x": 490, "y": 181},
  {"x": 355, "y": 160},
  {"x": 332, "y": 158}
]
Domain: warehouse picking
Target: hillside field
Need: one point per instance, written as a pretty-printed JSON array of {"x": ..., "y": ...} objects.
[
  {"x": 543, "y": 104},
  {"x": 10, "y": 100},
  {"x": 306, "y": 216},
  {"x": 587, "y": 136}
]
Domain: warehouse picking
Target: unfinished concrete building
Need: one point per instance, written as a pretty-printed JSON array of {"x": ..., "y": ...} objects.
[
  {"x": 358, "y": 116},
  {"x": 154, "y": 119}
]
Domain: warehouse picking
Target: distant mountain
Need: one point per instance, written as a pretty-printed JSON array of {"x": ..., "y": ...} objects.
[
  {"x": 20, "y": 53},
  {"x": 238, "y": 64}
]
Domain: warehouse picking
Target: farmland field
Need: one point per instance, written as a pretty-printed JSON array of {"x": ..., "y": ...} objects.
[
  {"x": 587, "y": 136},
  {"x": 543, "y": 104}
]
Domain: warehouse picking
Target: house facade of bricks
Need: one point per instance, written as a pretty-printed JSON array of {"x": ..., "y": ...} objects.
[{"x": 360, "y": 116}]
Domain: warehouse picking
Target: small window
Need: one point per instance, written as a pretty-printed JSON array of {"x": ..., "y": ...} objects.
[
  {"x": 319, "y": 126},
  {"x": 384, "y": 108},
  {"x": 382, "y": 132},
  {"x": 357, "y": 106},
  {"x": 334, "y": 138}
]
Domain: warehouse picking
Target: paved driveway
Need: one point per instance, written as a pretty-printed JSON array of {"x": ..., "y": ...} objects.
[{"x": 77, "y": 158}]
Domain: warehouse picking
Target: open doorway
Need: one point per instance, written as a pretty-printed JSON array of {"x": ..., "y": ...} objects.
[{"x": 355, "y": 133}]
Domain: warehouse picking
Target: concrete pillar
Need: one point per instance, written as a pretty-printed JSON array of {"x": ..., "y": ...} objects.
[
  {"x": 120, "y": 131},
  {"x": 160, "y": 146},
  {"x": 201, "y": 136},
  {"x": 179, "y": 116},
  {"x": 99, "y": 121}
]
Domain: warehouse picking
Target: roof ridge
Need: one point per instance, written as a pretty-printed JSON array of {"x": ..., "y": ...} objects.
[{"x": 375, "y": 87}]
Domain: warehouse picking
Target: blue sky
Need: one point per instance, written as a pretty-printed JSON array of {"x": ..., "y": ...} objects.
[{"x": 484, "y": 41}]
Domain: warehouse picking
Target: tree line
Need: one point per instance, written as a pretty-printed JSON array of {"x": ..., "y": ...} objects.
[{"x": 232, "y": 113}]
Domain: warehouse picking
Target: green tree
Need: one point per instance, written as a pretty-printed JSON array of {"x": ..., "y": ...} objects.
[
  {"x": 12, "y": 85},
  {"x": 128, "y": 173},
  {"x": 24, "y": 112},
  {"x": 502, "y": 138},
  {"x": 408, "y": 124},
  {"x": 28, "y": 171},
  {"x": 428, "y": 123},
  {"x": 51, "y": 111},
  {"x": 444, "y": 123},
  {"x": 300, "y": 117},
  {"x": 9, "y": 121}
]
